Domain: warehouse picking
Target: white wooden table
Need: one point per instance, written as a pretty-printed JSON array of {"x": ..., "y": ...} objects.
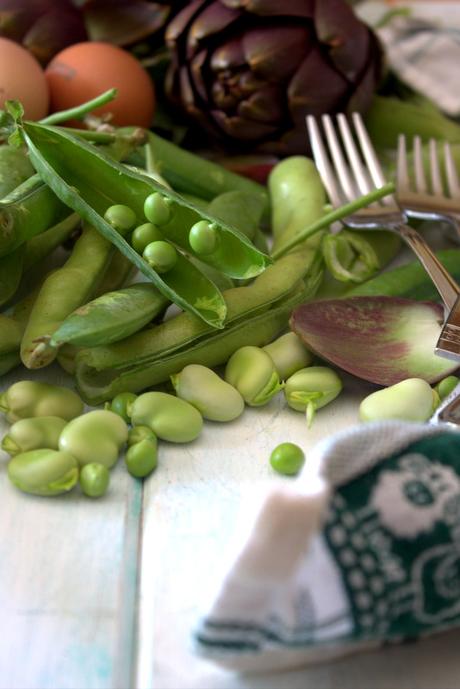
[{"x": 104, "y": 594}]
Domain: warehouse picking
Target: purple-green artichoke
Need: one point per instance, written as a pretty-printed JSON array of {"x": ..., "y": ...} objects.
[{"x": 249, "y": 71}]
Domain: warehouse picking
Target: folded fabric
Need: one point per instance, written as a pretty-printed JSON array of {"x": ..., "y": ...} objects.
[
  {"x": 425, "y": 54},
  {"x": 363, "y": 549}
]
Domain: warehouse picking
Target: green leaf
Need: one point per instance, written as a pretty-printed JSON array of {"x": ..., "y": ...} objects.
[{"x": 15, "y": 109}]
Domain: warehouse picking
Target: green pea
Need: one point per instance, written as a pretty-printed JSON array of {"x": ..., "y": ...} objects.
[
  {"x": 446, "y": 386},
  {"x": 139, "y": 433},
  {"x": 122, "y": 218},
  {"x": 289, "y": 355},
  {"x": 95, "y": 437},
  {"x": 169, "y": 417},
  {"x": 33, "y": 434},
  {"x": 203, "y": 238},
  {"x": 157, "y": 209},
  {"x": 410, "y": 400},
  {"x": 161, "y": 256},
  {"x": 28, "y": 398},
  {"x": 141, "y": 459},
  {"x": 252, "y": 372},
  {"x": 144, "y": 235},
  {"x": 213, "y": 397},
  {"x": 122, "y": 404},
  {"x": 312, "y": 388},
  {"x": 287, "y": 459},
  {"x": 94, "y": 479},
  {"x": 43, "y": 472}
]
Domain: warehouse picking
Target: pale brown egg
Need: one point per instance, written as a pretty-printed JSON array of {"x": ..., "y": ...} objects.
[
  {"x": 84, "y": 70},
  {"x": 23, "y": 79}
]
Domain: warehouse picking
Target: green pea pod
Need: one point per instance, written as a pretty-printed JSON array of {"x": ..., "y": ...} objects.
[
  {"x": 27, "y": 211},
  {"x": 239, "y": 208},
  {"x": 41, "y": 246},
  {"x": 358, "y": 256},
  {"x": 10, "y": 334},
  {"x": 62, "y": 292},
  {"x": 111, "y": 317},
  {"x": 118, "y": 273},
  {"x": 15, "y": 168},
  {"x": 11, "y": 267},
  {"x": 9, "y": 361},
  {"x": 297, "y": 198},
  {"x": 193, "y": 174},
  {"x": 215, "y": 349},
  {"x": 71, "y": 167}
]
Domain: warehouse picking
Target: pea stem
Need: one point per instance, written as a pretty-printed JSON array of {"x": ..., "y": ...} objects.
[
  {"x": 334, "y": 216},
  {"x": 80, "y": 111}
]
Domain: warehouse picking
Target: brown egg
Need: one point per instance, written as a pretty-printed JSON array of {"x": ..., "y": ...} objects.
[
  {"x": 23, "y": 79},
  {"x": 84, "y": 70}
]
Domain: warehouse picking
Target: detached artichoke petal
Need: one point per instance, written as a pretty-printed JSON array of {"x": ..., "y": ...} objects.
[{"x": 123, "y": 23}]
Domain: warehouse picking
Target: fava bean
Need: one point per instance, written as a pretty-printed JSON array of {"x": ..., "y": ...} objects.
[
  {"x": 95, "y": 437},
  {"x": 122, "y": 405},
  {"x": 289, "y": 355},
  {"x": 287, "y": 459},
  {"x": 312, "y": 388},
  {"x": 43, "y": 472},
  {"x": 410, "y": 400},
  {"x": 141, "y": 459},
  {"x": 169, "y": 417},
  {"x": 213, "y": 397},
  {"x": 138, "y": 433},
  {"x": 94, "y": 479},
  {"x": 446, "y": 386},
  {"x": 33, "y": 434},
  {"x": 252, "y": 372},
  {"x": 28, "y": 398}
]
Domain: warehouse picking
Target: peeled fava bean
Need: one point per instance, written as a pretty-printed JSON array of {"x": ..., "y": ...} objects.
[
  {"x": 213, "y": 397},
  {"x": 121, "y": 405},
  {"x": 138, "y": 433},
  {"x": 95, "y": 437},
  {"x": 169, "y": 417},
  {"x": 142, "y": 458},
  {"x": 28, "y": 398},
  {"x": 94, "y": 479},
  {"x": 312, "y": 388},
  {"x": 410, "y": 400},
  {"x": 33, "y": 434},
  {"x": 252, "y": 372},
  {"x": 289, "y": 355},
  {"x": 43, "y": 472}
]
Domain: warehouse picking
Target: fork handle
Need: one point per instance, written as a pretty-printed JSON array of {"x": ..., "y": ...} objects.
[{"x": 442, "y": 280}]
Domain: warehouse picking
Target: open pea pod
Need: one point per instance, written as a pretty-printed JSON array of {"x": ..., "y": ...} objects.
[
  {"x": 89, "y": 182},
  {"x": 102, "y": 181}
]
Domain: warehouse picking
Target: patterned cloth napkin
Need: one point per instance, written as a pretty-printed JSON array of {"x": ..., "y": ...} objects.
[
  {"x": 425, "y": 55},
  {"x": 361, "y": 550}
]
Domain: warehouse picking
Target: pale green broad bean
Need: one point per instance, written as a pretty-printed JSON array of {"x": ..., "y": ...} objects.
[
  {"x": 94, "y": 479},
  {"x": 169, "y": 417},
  {"x": 252, "y": 372},
  {"x": 410, "y": 400},
  {"x": 138, "y": 433},
  {"x": 41, "y": 432},
  {"x": 28, "y": 398},
  {"x": 446, "y": 386},
  {"x": 213, "y": 397},
  {"x": 43, "y": 472},
  {"x": 312, "y": 388},
  {"x": 95, "y": 437},
  {"x": 142, "y": 458},
  {"x": 289, "y": 355}
]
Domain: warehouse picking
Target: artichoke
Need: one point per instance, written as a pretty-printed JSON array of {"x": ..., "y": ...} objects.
[{"x": 249, "y": 71}]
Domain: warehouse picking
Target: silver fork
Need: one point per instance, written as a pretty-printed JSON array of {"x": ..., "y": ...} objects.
[
  {"x": 425, "y": 198},
  {"x": 348, "y": 172}
]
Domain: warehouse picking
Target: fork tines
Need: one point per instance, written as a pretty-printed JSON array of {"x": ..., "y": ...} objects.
[
  {"x": 430, "y": 185},
  {"x": 347, "y": 163}
]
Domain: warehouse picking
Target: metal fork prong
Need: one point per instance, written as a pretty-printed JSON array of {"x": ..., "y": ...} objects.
[
  {"x": 402, "y": 173},
  {"x": 322, "y": 162},
  {"x": 368, "y": 151},
  {"x": 338, "y": 159},
  {"x": 420, "y": 179},
  {"x": 359, "y": 172},
  {"x": 435, "y": 172},
  {"x": 451, "y": 172}
]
